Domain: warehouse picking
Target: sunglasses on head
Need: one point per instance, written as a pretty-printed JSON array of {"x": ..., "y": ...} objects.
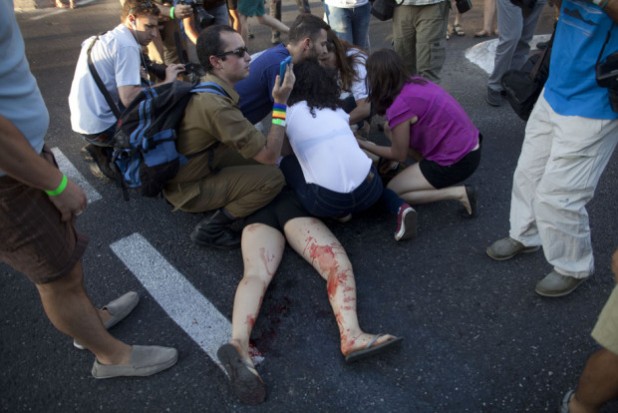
[{"x": 240, "y": 52}]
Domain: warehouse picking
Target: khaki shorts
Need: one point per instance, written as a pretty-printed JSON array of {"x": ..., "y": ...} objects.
[
  {"x": 605, "y": 331},
  {"x": 34, "y": 240}
]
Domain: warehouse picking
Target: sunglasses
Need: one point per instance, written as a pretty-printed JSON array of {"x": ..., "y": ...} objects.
[{"x": 240, "y": 52}]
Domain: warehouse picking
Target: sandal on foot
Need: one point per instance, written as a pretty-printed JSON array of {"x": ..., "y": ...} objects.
[
  {"x": 372, "y": 349},
  {"x": 458, "y": 30},
  {"x": 244, "y": 379}
]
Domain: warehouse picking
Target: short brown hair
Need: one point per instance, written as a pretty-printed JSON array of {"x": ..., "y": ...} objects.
[
  {"x": 139, "y": 8},
  {"x": 306, "y": 25}
]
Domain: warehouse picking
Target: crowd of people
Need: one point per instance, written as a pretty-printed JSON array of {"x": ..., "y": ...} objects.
[{"x": 307, "y": 161}]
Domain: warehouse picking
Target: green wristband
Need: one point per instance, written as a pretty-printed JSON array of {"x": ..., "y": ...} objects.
[
  {"x": 172, "y": 13},
  {"x": 60, "y": 189}
]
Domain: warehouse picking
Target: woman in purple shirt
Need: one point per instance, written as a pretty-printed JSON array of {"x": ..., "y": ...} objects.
[{"x": 427, "y": 124}]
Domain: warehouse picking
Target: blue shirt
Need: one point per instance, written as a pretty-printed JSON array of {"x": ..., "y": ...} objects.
[
  {"x": 571, "y": 89},
  {"x": 256, "y": 90},
  {"x": 20, "y": 98}
]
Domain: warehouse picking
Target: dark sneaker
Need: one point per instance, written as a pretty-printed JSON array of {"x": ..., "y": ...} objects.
[
  {"x": 507, "y": 248},
  {"x": 145, "y": 361},
  {"x": 215, "y": 232},
  {"x": 557, "y": 285},
  {"x": 406, "y": 223},
  {"x": 244, "y": 379},
  {"x": 493, "y": 97},
  {"x": 102, "y": 157}
]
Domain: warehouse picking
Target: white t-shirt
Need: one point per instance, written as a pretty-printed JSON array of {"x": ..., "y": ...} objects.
[
  {"x": 326, "y": 148},
  {"x": 346, "y": 4},
  {"x": 359, "y": 87},
  {"x": 116, "y": 56}
]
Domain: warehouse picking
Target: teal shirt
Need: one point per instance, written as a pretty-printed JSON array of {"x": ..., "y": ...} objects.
[
  {"x": 20, "y": 98},
  {"x": 571, "y": 89}
]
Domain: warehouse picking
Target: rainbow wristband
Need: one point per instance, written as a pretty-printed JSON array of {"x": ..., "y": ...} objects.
[
  {"x": 279, "y": 114},
  {"x": 60, "y": 189},
  {"x": 280, "y": 122},
  {"x": 172, "y": 12},
  {"x": 279, "y": 106}
]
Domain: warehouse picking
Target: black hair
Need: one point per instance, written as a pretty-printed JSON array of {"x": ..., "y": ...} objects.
[
  {"x": 209, "y": 43},
  {"x": 315, "y": 84},
  {"x": 139, "y": 8}
]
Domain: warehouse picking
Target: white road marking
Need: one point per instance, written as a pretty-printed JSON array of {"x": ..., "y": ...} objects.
[
  {"x": 73, "y": 174},
  {"x": 49, "y": 13},
  {"x": 484, "y": 53},
  {"x": 175, "y": 294}
]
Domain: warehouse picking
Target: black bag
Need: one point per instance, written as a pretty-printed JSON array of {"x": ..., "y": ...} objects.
[
  {"x": 383, "y": 9},
  {"x": 463, "y": 5},
  {"x": 523, "y": 87}
]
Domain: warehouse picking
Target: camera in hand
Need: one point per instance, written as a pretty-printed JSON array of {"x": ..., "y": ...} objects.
[
  {"x": 607, "y": 77},
  {"x": 203, "y": 19}
]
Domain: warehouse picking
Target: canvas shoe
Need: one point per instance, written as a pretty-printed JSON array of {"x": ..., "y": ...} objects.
[
  {"x": 406, "y": 223},
  {"x": 493, "y": 97},
  {"x": 118, "y": 309},
  {"x": 507, "y": 248},
  {"x": 557, "y": 285},
  {"x": 145, "y": 361}
]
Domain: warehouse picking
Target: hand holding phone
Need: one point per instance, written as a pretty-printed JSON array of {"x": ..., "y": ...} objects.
[{"x": 282, "y": 67}]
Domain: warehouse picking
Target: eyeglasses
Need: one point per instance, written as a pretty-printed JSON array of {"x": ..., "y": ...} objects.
[{"x": 240, "y": 52}]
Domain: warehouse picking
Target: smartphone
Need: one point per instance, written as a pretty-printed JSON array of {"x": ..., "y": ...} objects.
[{"x": 282, "y": 66}]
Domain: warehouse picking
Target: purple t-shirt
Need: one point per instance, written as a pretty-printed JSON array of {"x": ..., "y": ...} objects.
[{"x": 443, "y": 133}]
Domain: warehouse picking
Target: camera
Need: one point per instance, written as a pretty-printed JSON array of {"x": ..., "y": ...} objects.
[
  {"x": 607, "y": 77},
  {"x": 202, "y": 17}
]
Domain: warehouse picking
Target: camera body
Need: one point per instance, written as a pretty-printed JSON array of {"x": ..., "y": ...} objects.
[
  {"x": 607, "y": 77},
  {"x": 202, "y": 17}
]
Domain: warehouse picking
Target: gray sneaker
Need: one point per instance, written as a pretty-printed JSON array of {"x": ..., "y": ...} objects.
[
  {"x": 118, "y": 309},
  {"x": 564, "y": 406},
  {"x": 507, "y": 248},
  {"x": 145, "y": 361},
  {"x": 557, "y": 285},
  {"x": 493, "y": 97}
]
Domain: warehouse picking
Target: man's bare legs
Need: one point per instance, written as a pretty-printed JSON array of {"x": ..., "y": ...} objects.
[
  {"x": 598, "y": 383},
  {"x": 70, "y": 310},
  {"x": 262, "y": 248},
  {"x": 311, "y": 239}
]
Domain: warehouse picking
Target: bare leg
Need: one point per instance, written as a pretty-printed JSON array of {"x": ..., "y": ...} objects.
[
  {"x": 235, "y": 20},
  {"x": 244, "y": 27},
  {"x": 598, "y": 383},
  {"x": 411, "y": 186},
  {"x": 70, "y": 310},
  {"x": 273, "y": 23},
  {"x": 262, "y": 249},
  {"x": 317, "y": 245}
]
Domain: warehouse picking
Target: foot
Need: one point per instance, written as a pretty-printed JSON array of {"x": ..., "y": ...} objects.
[
  {"x": 275, "y": 38},
  {"x": 557, "y": 285},
  {"x": 566, "y": 401},
  {"x": 211, "y": 233},
  {"x": 482, "y": 33},
  {"x": 507, "y": 248},
  {"x": 244, "y": 379},
  {"x": 144, "y": 361},
  {"x": 406, "y": 223},
  {"x": 59, "y": 4},
  {"x": 469, "y": 201},
  {"x": 458, "y": 30},
  {"x": 115, "y": 311},
  {"x": 368, "y": 345},
  {"x": 493, "y": 97},
  {"x": 101, "y": 157}
]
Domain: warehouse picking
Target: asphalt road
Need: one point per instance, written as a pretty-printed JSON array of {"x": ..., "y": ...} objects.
[{"x": 476, "y": 336}]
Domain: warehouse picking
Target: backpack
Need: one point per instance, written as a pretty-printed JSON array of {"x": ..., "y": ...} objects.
[
  {"x": 145, "y": 155},
  {"x": 523, "y": 87}
]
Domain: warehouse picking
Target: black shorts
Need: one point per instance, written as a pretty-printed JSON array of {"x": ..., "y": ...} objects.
[
  {"x": 281, "y": 209},
  {"x": 444, "y": 176}
]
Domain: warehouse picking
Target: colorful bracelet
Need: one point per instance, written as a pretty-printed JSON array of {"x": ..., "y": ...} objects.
[
  {"x": 280, "y": 122},
  {"x": 172, "y": 12},
  {"x": 280, "y": 106},
  {"x": 60, "y": 189}
]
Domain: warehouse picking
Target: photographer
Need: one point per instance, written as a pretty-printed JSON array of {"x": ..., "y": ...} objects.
[
  {"x": 205, "y": 13},
  {"x": 570, "y": 136},
  {"x": 116, "y": 59}
]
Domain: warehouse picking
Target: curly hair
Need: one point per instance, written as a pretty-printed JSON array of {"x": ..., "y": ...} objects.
[
  {"x": 316, "y": 85},
  {"x": 345, "y": 63},
  {"x": 386, "y": 76}
]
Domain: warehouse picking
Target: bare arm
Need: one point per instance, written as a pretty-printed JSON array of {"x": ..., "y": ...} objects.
[
  {"x": 360, "y": 112},
  {"x": 128, "y": 93},
  {"x": 21, "y": 162},
  {"x": 400, "y": 138},
  {"x": 274, "y": 141}
]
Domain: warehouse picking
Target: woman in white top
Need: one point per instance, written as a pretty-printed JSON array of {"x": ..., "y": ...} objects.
[{"x": 329, "y": 172}]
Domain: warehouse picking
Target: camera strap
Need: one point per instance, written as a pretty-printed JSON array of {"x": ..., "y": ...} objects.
[{"x": 609, "y": 34}]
